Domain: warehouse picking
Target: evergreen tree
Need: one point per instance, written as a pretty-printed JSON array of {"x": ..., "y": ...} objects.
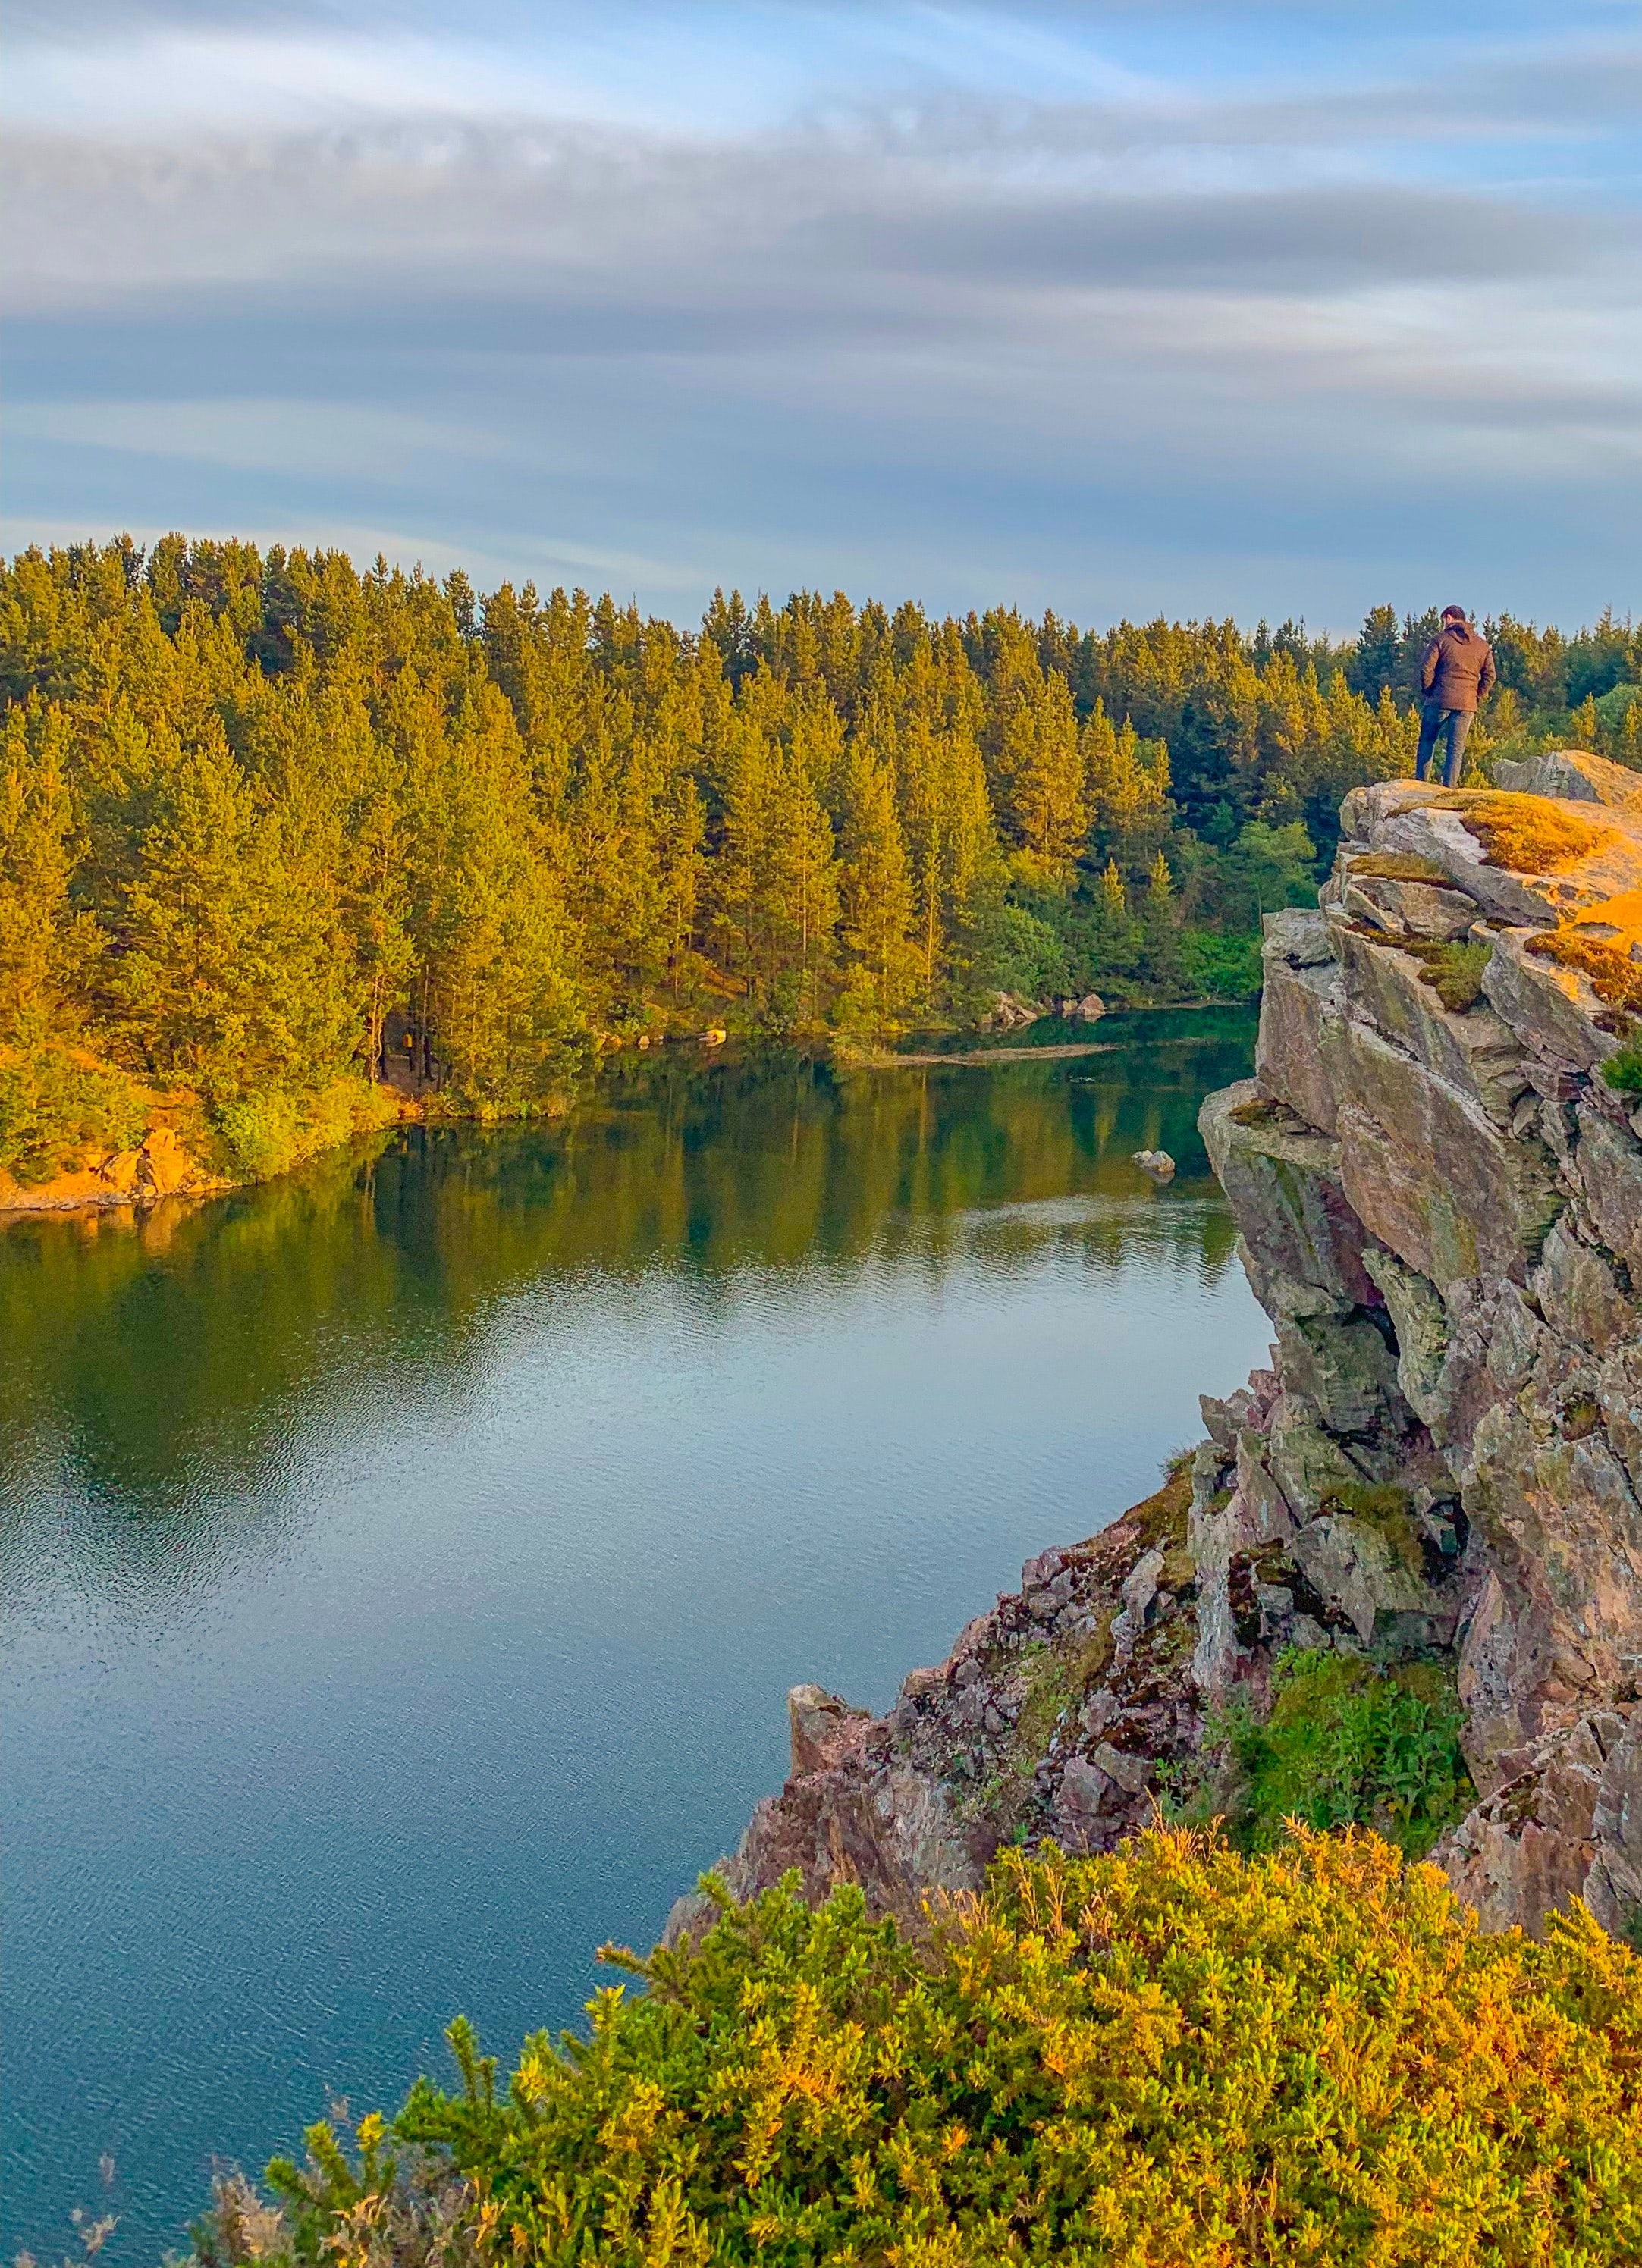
[{"x": 876, "y": 895}]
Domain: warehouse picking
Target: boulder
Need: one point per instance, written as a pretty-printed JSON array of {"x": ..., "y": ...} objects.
[
  {"x": 1408, "y": 909},
  {"x": 1535, "y": 1845},
  {"x": 1301, "y": 1006},
  {"x": 1613, "y": 1889},
  {"x": 1009, "y": 1013},
  {"x": 1345, "y": 1369},
  {"x": 1131, "y": 1773},
  {"x": 1371, "y": 1571},
  {"x": 1551, "y": 1010},
  {"x": 1609, "y": 1160},
  {"x": 1420, "y": 1321},
  {"x": 1473, "y": 1051},
  {"x": 1415, "y": 820},
  {"x": 1553, "y": 1508},
  {"x": 1579, "y": 1294},
  {"x": 1573, "y": 775},
  {"x": 1158, "y": 1163},
  {"x": 1431, "y": 1175},
  {"x": 820, "y": 1727},
  {"x": 1091, "y": 1008}
]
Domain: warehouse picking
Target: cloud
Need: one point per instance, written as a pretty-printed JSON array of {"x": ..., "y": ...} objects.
[{"x": 1041, "y": 295}]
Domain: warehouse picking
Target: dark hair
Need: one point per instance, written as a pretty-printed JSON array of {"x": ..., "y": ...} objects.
[{"x": 1455, "y": 613}]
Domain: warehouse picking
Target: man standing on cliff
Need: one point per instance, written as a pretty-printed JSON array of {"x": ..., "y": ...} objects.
[{"x": 1456, "y": 672}]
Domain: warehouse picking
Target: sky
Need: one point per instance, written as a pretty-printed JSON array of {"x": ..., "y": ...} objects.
[{"x": 1121, "y": 308}]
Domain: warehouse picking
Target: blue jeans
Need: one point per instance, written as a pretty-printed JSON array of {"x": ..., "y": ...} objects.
[{"x": 1434, "y": 722}]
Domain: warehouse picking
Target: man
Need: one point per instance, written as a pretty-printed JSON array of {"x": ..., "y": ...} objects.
[{"x": 1456, "y": 672}]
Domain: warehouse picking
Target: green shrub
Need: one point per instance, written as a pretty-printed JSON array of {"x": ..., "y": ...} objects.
[
  {"x": 1348, "y": 1742},
  {"x": 57, "y": 1109},
  {"x": 1170, "y": 2058},
  {"x": 268, "y": 1131},
  {"x": 1624, "y": 1072},
  {"x": 1453, "y": 968}
]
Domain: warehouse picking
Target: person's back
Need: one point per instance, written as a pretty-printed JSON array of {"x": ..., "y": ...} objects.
[{"x": 1456, "y": 675}]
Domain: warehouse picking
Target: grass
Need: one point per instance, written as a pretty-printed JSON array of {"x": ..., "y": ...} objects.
[
  {"x": 1400, "y": 866},
  {"x": 1615, "y": 977},
  {"x": 1453, "y": 968},
  {"x": 1528, "y": 834}
]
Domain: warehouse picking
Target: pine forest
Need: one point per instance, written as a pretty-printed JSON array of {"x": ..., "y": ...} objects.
[{"x": 281, "y": 841}]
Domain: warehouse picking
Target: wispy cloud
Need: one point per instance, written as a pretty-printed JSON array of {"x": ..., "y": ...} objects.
[{"x": 952, "y": 295}]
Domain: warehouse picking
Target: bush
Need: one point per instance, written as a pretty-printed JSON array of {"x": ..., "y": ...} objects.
[
  {"x": 58, "y": 1110},
  {"x": 1624, "y": 1072},
  {"x": 1027, "y": 956},
  {"x": 268, "y": 1131},
  {"x": 1168, "y": 2058},
  {"x": 1453, "y": 968},
  {"x": 1348, "y": 1743}
]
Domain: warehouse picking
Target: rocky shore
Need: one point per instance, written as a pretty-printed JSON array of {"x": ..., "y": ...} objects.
[{"x": 1439, "y": 1201}]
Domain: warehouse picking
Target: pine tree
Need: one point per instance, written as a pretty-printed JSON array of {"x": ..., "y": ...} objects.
[{"x": 876, "y": 895}]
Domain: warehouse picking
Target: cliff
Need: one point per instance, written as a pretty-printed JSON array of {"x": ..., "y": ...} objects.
[{"x": 1439, "y": 1199}]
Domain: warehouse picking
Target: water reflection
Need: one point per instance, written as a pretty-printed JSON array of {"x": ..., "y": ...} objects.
[
  {"x": 406, "y": 1561},
  {"x": 157, "y": 1365}
]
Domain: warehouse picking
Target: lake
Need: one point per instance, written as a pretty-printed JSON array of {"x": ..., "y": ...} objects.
[{"x": 405, "y": 1562}]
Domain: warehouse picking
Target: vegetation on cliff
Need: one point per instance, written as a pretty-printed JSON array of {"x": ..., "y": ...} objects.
[
  {"x": 266, "y": 823},
  {"x": 1343, "y": 1741},
  {"x": 1173, "y": 2055}
]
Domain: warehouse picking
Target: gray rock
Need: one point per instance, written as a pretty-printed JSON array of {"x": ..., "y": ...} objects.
[
  {"x": 1405, "y": 908},
  {"x": 1613, "y": 1889},
  {"x": 1224, "y": 1420},
  {"x": 1132, "y": 1774},
  {"x": 1574, "y": 775},
  {"x": 1610, "y": 1172},
  {"x": 1551, "y": 1010},
  {"x": 1421, "y": 1323},
  {"x": 1358, "y": 1567},
  {"x": 1083, "y": 1788},
  {"x": 820, "y": 1727}
]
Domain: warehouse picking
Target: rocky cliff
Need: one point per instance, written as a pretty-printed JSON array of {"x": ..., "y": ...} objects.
[{"x": 1437, "y": 1174}]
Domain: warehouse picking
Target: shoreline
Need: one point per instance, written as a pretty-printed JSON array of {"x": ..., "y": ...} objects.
[{"x": 156, "y": 1173}]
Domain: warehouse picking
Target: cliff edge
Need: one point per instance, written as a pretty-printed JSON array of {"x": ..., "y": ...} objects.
[{"x": 1436, "y": 1176}]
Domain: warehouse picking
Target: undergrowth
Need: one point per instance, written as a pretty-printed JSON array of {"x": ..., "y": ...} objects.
[
  {"x": 1172, "y": 2057},
  {"x": 1346, "y": 1741},
  {"x": 59, "y": 1110},
  {"x": 1624, "y": 1072}
]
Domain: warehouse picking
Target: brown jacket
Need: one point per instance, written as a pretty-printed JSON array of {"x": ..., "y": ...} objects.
[{"x": 1458, "y": 668}]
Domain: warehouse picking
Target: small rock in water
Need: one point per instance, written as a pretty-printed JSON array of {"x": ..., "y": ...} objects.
[
  {"x": 1158, "y": 1163},
  {"x": 1091, "y": 1008}
]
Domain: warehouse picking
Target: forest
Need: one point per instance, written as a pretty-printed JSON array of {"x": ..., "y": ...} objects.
[{"x": 283, "y": 843}]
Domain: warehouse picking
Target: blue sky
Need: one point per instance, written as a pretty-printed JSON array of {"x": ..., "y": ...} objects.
[{"x": 1115, "y": 308}]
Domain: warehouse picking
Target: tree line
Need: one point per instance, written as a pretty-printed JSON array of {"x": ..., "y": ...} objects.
[{"x": 266, "y": 818}]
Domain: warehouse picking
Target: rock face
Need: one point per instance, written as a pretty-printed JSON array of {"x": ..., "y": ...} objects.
[
  {"x": 159, "y": 1166},
  {"x": 1440, "y": 1204},
  {"x": 1575, "y": 774}
]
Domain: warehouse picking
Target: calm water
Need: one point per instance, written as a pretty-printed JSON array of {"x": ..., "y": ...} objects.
[{"x": 405, "y": 1564}]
